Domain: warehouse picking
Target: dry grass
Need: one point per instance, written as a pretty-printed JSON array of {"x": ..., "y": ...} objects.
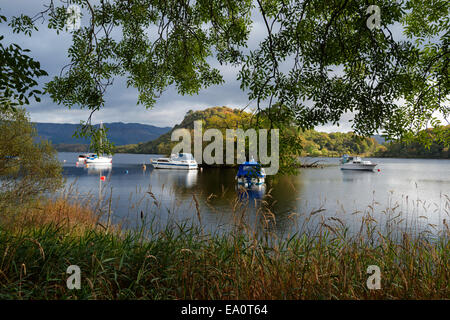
[
  {"x": 59, "y": 212},
  {"x": 182, "y": 261}
]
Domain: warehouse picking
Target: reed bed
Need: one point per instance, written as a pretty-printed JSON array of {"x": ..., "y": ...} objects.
[
  {"x": 73, "y": 217},
  {"x": 182, "y": 260}
]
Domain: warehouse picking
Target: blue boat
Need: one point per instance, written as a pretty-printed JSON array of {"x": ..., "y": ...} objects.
[{"x": 250, "y": 173}]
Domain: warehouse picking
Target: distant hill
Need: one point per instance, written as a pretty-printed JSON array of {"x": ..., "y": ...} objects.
[
  {"x": 60, "y": 134},
  {"x": 379, "y": 138}
]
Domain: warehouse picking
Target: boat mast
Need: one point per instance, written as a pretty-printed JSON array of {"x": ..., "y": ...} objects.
[{"x": 101, "y": 134}]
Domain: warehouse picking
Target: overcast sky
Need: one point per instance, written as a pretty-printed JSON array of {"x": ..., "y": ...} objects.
[{"x": 51, "y": 50}]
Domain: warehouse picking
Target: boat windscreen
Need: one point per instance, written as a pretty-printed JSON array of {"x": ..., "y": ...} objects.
[
  {"x": 250, "y": 168},
  {"x": 185, "y": 156}
]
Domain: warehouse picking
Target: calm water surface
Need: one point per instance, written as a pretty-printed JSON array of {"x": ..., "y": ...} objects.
[{"x": 417, "y": 189}]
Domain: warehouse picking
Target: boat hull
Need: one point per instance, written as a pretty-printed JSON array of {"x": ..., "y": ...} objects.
[
  {"x": 359, "y": 167},
  {"x": 99, "y": 161},
  {"x": 249, "y": 182},
  {"x": 175, "y": 166}
]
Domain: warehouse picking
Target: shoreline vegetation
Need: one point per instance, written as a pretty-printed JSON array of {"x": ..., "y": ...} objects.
[
  {"x": 181, "y": 260},
  {"x": 313, "y": 143}
]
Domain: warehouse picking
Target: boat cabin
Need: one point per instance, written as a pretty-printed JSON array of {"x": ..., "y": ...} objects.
[
  {"x": 182, "y": 157},
  {"x": 250, "y": 169},
  {"x": 250, "y": 173},
  {"x": 346, "y": 159}
]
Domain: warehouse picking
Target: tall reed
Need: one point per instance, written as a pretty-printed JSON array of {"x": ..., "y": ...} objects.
[{"x": 181, "y": 260}]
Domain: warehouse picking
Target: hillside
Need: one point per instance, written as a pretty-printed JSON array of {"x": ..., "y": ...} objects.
[
  {"x": 60, "y": 134},
  {"x": 313, "y": 143},
  {"x": 216, "y": 117}
]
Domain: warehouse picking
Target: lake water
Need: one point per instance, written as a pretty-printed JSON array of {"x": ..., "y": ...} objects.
[{"x": 416, "y": 189}]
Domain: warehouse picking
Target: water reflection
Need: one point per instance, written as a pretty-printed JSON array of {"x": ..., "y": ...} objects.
[
  {"x": 98, "y": 168},
  {"x": 351, "y": 176},
  {"x": 251, "y": 193},
  {"x": 168, "y": 177}
]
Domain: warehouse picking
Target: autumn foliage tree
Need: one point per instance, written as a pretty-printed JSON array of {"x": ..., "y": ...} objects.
[{"x": 28, "y": 168}]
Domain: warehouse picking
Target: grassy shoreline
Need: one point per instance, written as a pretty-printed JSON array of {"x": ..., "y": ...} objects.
[{"x": 183, "y": 262}]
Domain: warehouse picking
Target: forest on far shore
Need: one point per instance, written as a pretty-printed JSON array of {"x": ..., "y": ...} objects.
[{"x": 313, "y": 143}]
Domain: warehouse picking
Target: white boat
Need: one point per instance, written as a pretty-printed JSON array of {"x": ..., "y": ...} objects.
[
  {"x": 183, "y": 161},
  {"x": 355, "y": 163},
  {"x": 99, "y": 159}
]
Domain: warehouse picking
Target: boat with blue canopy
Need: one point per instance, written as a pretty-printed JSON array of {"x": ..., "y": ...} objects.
[{"x": 250, "y": 173}]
